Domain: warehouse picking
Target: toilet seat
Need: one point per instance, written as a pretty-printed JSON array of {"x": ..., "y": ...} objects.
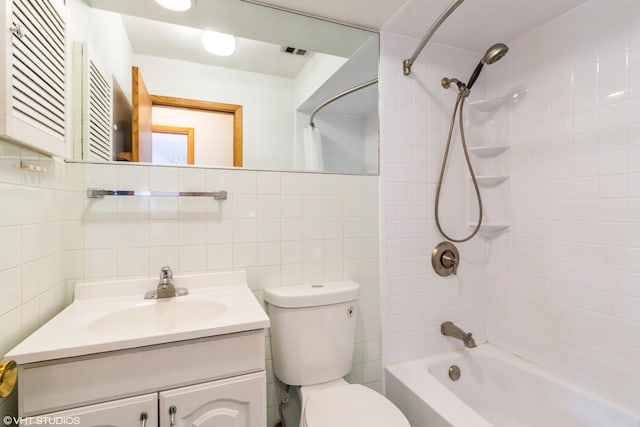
[{"x": 351, "y": 405}]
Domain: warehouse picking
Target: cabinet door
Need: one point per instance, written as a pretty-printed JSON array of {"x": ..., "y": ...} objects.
[
  {"x": 233, "y": 402},
  {"x": 117, "y": 413},
  {"x": 34, "y": 110}
]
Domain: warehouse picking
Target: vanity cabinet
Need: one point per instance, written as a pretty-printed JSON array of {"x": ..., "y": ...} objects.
[
  {"x": 233, "y": 402},
  {"x": 111, "y": 355},
  {"x": 210, "y": 381},
  {"x": 33, "y": 107}
]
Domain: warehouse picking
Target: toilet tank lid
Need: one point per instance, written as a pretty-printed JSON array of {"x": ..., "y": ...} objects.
[{"x": 312, "y": 295}]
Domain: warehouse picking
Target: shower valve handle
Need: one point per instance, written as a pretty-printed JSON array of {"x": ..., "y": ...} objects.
[
  {"x": 445, "y": 259},
  {"x": 449, "y": 260}
]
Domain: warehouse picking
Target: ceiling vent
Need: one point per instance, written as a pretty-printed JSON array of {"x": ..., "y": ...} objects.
[{"x": 294, "y": 51}]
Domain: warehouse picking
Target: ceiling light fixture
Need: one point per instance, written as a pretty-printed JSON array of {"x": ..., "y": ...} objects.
[
  {"x": 219, "y": 43},
  {"x": 176, "y": 5}
]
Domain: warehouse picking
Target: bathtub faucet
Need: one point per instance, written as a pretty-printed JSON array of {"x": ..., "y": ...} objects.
[{"x": 451, "y": 330}]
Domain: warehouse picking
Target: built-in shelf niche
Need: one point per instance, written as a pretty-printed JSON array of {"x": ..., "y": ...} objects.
[
  {"x": 494, "y": 104},
  {"x": 491, "y": 229},
  {"x": 490, "y": 181},
  {"x": 488, "y": 151},
  {"x": 489, "y": 123}
]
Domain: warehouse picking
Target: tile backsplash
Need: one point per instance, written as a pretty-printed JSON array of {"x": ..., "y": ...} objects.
[
  {"x": 33, "y": 225},
  {"x": 282, "y": 228}
]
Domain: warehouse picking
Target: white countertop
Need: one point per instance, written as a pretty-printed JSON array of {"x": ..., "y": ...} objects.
[{"x": 72, "y": 332}]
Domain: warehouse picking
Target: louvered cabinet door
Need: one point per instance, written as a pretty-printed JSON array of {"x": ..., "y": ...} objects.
[
  {"x": 34, "y": 108},
  {"x": 93, "y": 106}
]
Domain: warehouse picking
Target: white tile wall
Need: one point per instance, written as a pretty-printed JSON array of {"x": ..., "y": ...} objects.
[
  {"x": 564, "y": 284},
  {"x": 33, "y": 223},
  {"x": 415, "y": 116},
  {"x": 561, "y": 288},
  {"x": 282, "y": 228}
]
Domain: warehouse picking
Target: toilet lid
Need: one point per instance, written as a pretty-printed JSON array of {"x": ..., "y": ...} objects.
[{"x": 353, "y": 405}]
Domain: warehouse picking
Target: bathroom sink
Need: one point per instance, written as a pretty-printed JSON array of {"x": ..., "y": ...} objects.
[
  {"x": 114, "y": 315},
  {"x": 155, "y": 316}
]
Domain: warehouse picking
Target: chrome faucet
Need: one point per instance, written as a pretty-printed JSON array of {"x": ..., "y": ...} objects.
[
  {"x": 165, "y": 288},
  {"x": 451, "y": 330}
]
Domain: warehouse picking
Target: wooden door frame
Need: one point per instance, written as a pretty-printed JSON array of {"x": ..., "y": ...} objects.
[
  {"x": 141, "y": 119},
  {"x": 194, "y": 104},
  {"x": 189, "y": 132}
]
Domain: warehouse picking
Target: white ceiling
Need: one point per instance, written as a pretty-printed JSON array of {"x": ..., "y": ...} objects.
[
  {"x": 162, "y": 39},
  {"x": 260, "y": 34},
  {"x": 475, "y": 25},
  {"x": 372, "y": 14}
]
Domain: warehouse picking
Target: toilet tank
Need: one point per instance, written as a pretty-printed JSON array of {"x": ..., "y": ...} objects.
[{"x": 312, "y": 331}]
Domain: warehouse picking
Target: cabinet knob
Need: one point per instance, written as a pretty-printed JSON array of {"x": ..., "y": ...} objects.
[
  {"x": 143, "y": 419},
  {"x": 172, "y": 412},
  {"x": 18, "y": 30}
]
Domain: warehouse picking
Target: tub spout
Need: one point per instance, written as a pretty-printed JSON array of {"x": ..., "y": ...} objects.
[{"x": 451, "y": 330}]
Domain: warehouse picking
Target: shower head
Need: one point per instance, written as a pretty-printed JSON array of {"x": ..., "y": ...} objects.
[{"x": 493, "y": 54}]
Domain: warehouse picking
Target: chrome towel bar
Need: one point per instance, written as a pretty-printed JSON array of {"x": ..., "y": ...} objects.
[{"x": 99, "y": 193}]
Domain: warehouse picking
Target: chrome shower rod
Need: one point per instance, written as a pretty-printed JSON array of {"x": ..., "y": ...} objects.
[
  {"x": 335, "y": 98},
  {"x": 408, "y": 63}
]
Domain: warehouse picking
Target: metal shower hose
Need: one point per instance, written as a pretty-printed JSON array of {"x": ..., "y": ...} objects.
[{"x": 462, "y": 94}]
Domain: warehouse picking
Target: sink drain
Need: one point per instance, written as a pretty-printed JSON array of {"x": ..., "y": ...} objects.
[{"x": 454, "y": 372}]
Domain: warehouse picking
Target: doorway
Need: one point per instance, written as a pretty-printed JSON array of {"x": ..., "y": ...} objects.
[{"x": 143, "y": 121}]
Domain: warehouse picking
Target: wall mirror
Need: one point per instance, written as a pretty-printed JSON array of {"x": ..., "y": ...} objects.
[{"x": 282, "y": 70}]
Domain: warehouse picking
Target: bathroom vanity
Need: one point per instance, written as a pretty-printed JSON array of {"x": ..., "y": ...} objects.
[{"x": 113, "y": 357}]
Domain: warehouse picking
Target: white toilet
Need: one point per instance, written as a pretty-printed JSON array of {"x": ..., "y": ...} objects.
[{"x": 312, "y": 337}]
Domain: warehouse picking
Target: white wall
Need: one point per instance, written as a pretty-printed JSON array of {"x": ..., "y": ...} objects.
[
  {"x": 267, "y": 103},
  {"x": 564, "y": 284},
  {"x": 282, "y": 228},
  {"x": 106, "y": 37},
  {"x": 314, "y": 74},
  {"x": 415, "y": 115},
  {"x": 345, "y": 141},
  {"x": 34, "y": 223},
  {"x": 372, "y": 143}
]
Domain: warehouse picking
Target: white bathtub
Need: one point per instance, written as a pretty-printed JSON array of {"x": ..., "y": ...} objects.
[{"x": 495, "y": 389}]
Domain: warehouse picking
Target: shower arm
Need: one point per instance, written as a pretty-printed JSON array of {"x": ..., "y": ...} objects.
[
  {"x": 408, "y": 63},
  {"x": 340, "y": 95}
]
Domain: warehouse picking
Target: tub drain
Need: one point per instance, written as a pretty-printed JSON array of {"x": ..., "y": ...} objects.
[{"x": 454, "y": 372}]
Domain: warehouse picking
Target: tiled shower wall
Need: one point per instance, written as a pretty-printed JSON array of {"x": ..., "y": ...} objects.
[
  {"x": 282, "y": 228},
  {"x": 415, "y": 117},
  {"x": 564, "y": 283}
]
